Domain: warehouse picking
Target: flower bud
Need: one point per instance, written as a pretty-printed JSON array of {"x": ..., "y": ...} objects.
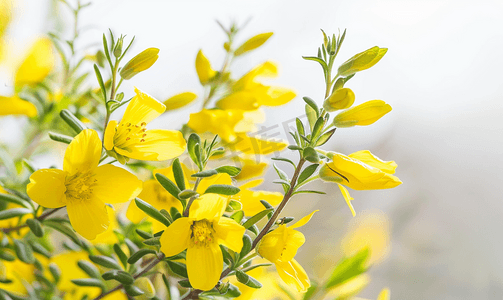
[
  {"x": 253, "y": 43},
  {"x": 179, "y": 100},
  {"x": 340, "y": 99},
  {"x": 203, "y": 68},
  {"x": 362, "y": 61},
  {"x": 118, "y": 47},
  {"x": 364, "y": 114},
  {"x": 140, "y": 63}
]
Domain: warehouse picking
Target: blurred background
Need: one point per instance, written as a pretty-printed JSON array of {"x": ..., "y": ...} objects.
[{"x": 441, "y": 75}]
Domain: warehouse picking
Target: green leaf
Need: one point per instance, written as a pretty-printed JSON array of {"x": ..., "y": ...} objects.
[
  {"x": 307, "y": 172},
  {"x": 185, "y": 194},
  {"x": 60, "y": 137},
  {"x": 72, "y": 120},
  {"x": 325, "y": 137},
  {"x": 313, "y": 105},
  {"x": 319, "y": 60},
  {"x": 89, "y": 282},
  {"x": 309, "y": 192},
  {"x": 256, "y": 266},
  {"x": 14, "y": 199},
  {"x": 14, "y": 212},
  {"x": 247, "y": 244},
  {"x": 152, "y": 211},
  {"x": 139, "y": 254},
  {"x": 247, "y": 280},
  {"x": 235, "y": 205},
  {"x": 35, "y": 227},
  {"x": 105, "y": 261},
  {"x": 185, "y": 283},
  {"x": 300, "y": 126},
  {"x": 64, "y": 228},
  {"x": 178, "y": 268},
  {"x": 222, "y": 189},
  {"x": 121, "y": 255},
  {"x": 193, "y": 140},
  {"x": 178, "y": 174},
  {"x": 133, "y": 291},
  {"x": 38, "y": 248},
  {"x": 310, "y": 291},
  {"x": 311, "y": 155},
  {"x": 284, "y": 183},
  {"x": 55, "y": 271},
  {"x": 101, "y": 82},
  {"x": 168, "y": 185},
  {"x": 280, "y": 172},
  {"x": 348, "y": 268},
  {"x": 232, "y": 171},
  {"x": 4, "y": 255},
  {"x": 205, "y": 173},
  {"x": 143, "y": 234},
  {"x": 312, "y": 116},
  {"x": 238, "y": 216},
  {"x": 267, "y": 206},
  {"x": 294, "y": 147},
  {"x": 251, "y": 221},
  {"x": 89, "y": 268},
  {"x": 24, "y": 252},
  {"x": 119, "y": 275},
  {"x": 284, "y": 159},
  {"x": 318, "y": 126},
  {"x": 155, "y": 241}
]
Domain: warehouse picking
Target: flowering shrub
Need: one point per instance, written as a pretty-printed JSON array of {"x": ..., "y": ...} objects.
[{"x": 196, "y": 227}]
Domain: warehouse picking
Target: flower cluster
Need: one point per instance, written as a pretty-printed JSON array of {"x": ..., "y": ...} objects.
[{"x": 174, "y": 214}]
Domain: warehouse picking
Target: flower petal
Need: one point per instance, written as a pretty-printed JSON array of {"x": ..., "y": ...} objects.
[
  {"x": 47, "y": 188},
  {"x": 16, "y": 106},
  {"x": 176, "y": 237},
  {"x": 230, "y": 233},
  {"x": 115, "y": 185},
  {"x": 293, "y": 274},
  {"x": 37, "y": 65},
  {"x": 204, "y": 265},
  {"x": 142, "y": 108},
  {"x": 89, "y": 217},
  {"x": 294, "y": 240},
  {"x": 303, "y": 221},
  {"x": 273, "y": 243},
  {"x": 208, "y": 206},
  {"x": 348, "y": 198},
  {"x": 84, "y": 152},
  {"x": 250, "y": 168},
  {"x": 221, "y": 178},
  {"x": 159, "y": 145},
  {"x": 108, "y": 140},
  {"x": 370, "y": 159}
]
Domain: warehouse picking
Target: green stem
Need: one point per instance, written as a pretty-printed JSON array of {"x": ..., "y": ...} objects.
[{"x": 189, "y": 204}]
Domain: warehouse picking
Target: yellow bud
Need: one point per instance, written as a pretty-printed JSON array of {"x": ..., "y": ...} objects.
[
  {"x": 328, "y": 174},
  {"x": 340, "y": 99},
  {"x": 364, "y": 114},
  {"x": 179, "y": 100},
  {"x": 140, "y": 63},
  {"x": 144, "y": 284},
  {"x": 203, "y": 68},
  {"x": 253, "y": 43},
  {"x": 362, "y": 61}
]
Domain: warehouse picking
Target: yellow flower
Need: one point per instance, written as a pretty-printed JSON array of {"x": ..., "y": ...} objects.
[
  {"x": 180, "y": 100},
  {"x": 364, "y": 114},
  {"x": 340, "y": 99},
  {"x": 360, "y": 171},
  {"x": 203, "y": 68},
  {"x": 251, "y": 199},
  {"x": 226, "y": 123},
  {"x": 362, "y": 61},
  {"x": 131, "y": 139},
  {"x": 83, "y": 187},
  {"x": 16, "y": 106},
  {"x": 108, "y": 237},
  {"x": 248, "y": 145},
  {"x": 140, "y": 63},
  {"x": 37, "y": 65},
  {"x": 280, "y": 247},
  {"x": 201, "y": 233},
  {"x": 248, "y": 94},
  {"x": 155, "y": 194}
]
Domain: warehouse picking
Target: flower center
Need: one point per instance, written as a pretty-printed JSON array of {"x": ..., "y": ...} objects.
[
  {"x": 79, "y": 186},
  {"x": 127, "y": 134},
  {"x": 202, "y": 233}
]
